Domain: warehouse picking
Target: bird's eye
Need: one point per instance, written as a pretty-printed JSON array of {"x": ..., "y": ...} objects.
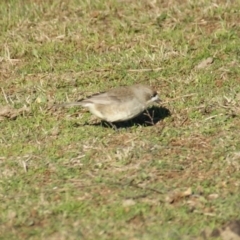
[{"x": 154, "y": 94}]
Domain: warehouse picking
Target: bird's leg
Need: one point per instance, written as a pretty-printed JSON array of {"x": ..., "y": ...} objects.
[
  {"x": 113, "y": 126},
  {"x": 150, "y": 117}
]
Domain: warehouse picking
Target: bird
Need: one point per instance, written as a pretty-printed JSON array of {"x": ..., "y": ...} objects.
[{"x": 119, "y": 104}]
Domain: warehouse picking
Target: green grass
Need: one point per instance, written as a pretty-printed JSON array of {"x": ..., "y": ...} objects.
[{"x": 63, "y": 176}]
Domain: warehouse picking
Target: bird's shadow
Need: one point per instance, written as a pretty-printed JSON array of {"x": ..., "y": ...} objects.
[{"x": 149, "y": 117}]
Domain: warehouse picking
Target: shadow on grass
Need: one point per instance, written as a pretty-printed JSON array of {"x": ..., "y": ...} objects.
[{"x": 148, "y": 118}]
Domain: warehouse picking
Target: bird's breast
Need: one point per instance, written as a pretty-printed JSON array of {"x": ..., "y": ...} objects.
[{"x": 117, "y": 112}]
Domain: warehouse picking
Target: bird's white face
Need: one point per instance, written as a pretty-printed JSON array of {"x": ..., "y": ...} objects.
[
  {"x": 155, "y": 99},
  {"x": 146, "y": 95}
]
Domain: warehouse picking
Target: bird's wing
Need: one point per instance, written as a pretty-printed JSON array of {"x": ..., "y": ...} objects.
[{"x": 103, "y": 98}]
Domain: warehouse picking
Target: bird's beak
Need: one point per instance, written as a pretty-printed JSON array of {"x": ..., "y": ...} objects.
[
  {"x": 157, "y": 99},
  {"x": 154, "y": 99}
]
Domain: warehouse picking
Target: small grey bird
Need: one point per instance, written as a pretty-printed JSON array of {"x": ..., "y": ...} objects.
[{"x": 119, "y": 104}]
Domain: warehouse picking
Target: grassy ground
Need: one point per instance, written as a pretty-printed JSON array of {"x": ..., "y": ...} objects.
[{"x": 62, "y": 178}]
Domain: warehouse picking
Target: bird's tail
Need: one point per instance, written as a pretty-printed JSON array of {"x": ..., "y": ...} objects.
[{"x": 71, "y": 104}]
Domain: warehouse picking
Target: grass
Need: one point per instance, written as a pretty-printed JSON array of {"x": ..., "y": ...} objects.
[{"x": 63, "y": 175}]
